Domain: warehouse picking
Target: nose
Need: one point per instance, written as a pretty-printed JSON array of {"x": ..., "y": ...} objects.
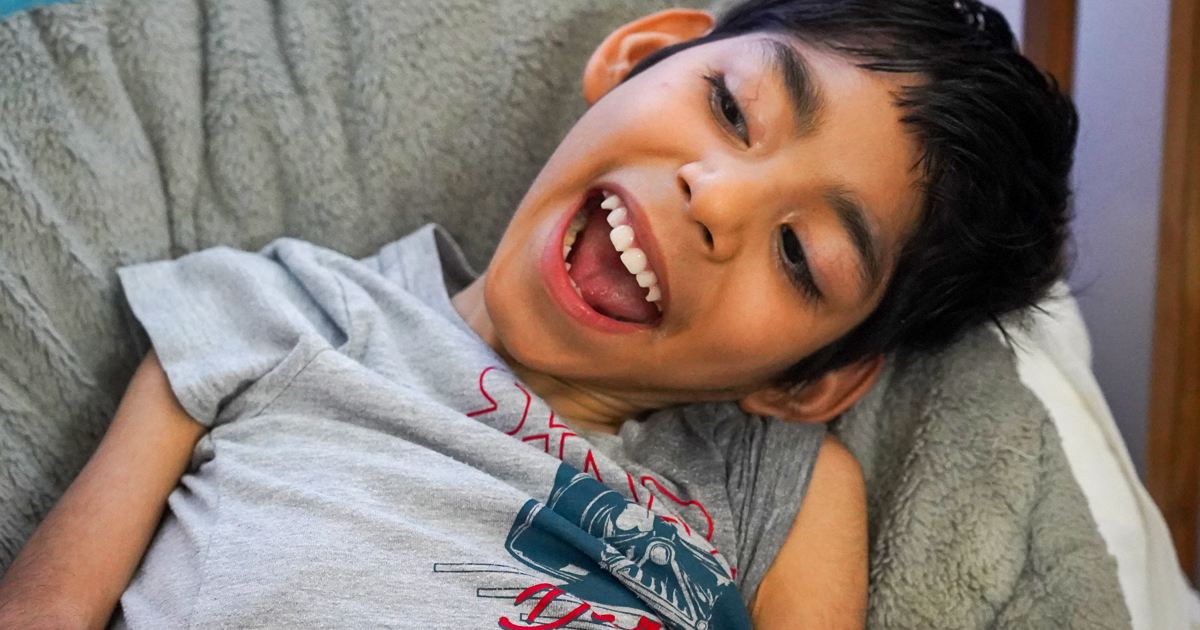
[{"x": 719, "y": 203}]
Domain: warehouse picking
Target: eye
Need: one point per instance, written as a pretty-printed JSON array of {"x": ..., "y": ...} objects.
[
  {"x": 796, "y": 264},
  {"x": 725, "y": 107}
]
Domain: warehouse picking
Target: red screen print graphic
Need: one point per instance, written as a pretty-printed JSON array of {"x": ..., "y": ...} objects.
[
  {"x": 647, "y": 481},
  {"x": 553, "y": 607},
  {"x": 551, "y": 594},
  {"x": 494, "y": 406},
  {"x": 591, "y": 559},
  {"x": 552, "y": 438}
]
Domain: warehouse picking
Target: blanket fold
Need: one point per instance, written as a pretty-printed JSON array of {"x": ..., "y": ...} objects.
[{"x": 975, "y": 518}]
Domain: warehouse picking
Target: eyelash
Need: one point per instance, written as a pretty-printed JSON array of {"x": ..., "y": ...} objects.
[
  {"x": 725, "y": 107},
  {"x": 791, "y": 255}
]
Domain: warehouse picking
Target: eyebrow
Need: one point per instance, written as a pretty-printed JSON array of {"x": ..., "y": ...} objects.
[
  {"x": 806, "y": 98},
  {"x": 807, "y": 104},
  {"x": 854, "y": 219}
]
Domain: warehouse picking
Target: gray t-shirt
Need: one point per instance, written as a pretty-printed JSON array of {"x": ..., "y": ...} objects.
[{"x": 372, "y": 463}]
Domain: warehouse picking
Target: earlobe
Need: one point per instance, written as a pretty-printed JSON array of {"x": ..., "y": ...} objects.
[
  {"x": 626, "y": 46},
  {"x": 819, "y": 401}
]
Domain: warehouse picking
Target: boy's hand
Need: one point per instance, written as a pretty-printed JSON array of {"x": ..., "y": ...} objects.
[
  {"x": 819, "y": 578},
  {"x": 75, "y": 567}
]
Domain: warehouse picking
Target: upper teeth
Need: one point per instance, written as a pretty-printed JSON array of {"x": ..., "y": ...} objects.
[
  {"x": 635, "y": 260},
  {"x": 623, "y": 238}
]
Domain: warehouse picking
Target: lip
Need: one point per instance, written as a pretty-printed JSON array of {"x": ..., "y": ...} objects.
[{"x": 558, "y": 283}]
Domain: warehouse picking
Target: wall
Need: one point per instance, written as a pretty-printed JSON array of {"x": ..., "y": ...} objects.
[
  {"x": 1120, "y": 75},
  {"x": 1014, "y": 12}
]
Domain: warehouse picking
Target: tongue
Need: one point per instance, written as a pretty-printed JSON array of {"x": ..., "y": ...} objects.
[{"x": 606, "y": 285}]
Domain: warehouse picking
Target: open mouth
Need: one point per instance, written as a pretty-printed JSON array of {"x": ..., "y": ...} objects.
[{"x": 607, "y": 268}]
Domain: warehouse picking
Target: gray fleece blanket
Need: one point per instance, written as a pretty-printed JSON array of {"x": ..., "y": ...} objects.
[{"x": 133, "y": 130}]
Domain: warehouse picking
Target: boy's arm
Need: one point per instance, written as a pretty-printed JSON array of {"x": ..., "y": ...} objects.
[
  {"x": 78, "y": 562},
  {"x": 819, "y": 578}
]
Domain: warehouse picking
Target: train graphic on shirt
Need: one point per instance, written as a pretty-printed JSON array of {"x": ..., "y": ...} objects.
[{"x": 611, "y": 563}]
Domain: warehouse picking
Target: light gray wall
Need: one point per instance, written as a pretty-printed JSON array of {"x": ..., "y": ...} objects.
[
  {"x": 1014, "y": 12},
  {"x": 1120, "y": 75}
]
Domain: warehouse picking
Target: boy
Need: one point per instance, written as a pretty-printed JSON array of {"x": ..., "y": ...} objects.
[{"x": 806, "y": 187}]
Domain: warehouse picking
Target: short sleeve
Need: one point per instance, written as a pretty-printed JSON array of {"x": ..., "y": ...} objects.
[
  {"x": 221, "y": 319},
  {"x": 751, "y": 472},
  {"x": 769, "y": 463}
]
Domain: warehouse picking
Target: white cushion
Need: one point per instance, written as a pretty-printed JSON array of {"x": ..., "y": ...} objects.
[{"x": 1054, "y": 361}]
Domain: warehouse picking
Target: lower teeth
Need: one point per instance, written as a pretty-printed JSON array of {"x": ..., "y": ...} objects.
[{"x": 577, "y": 223}]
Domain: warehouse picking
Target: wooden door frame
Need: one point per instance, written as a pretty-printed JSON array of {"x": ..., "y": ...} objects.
[
  {"x": 1049, "y": 38},
  {"x": 1173, "y": 449},
  {"x": 1173, "y": 433}
]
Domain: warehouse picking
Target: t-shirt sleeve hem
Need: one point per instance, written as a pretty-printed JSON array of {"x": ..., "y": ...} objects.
[
  {"x": 220, "y": 320},
  {"x": 146, "y": 305}
]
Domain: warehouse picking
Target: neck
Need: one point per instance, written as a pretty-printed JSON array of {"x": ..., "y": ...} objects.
[{"x": 580, "y": 406}]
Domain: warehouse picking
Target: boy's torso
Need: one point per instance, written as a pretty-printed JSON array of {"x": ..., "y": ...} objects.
[{"x": 372, "y": 462}]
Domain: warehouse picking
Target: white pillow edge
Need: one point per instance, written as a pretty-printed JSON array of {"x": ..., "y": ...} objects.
[{"x": 1054, "y": 362}]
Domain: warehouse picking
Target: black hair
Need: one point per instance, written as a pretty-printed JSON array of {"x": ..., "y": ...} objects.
[{"x": 997, "y": 138}]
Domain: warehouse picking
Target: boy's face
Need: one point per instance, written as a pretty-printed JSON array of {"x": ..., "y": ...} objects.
[{"x": 770, "y": 216}]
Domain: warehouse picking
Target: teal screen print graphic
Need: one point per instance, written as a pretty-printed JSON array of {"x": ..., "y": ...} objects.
[
  {"x": 613, "y": 553},
  {"x": 8, "y": 7}
]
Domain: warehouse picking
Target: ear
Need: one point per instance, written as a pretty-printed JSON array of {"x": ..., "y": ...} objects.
[
  {"x": 820, "y": 400},
  {"x": 626, "y": 46}
]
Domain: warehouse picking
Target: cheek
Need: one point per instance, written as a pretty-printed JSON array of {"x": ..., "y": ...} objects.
[
  {"x": 647, "y": 114},
  {"x": 760, "y": 329},
  {"x": 517, "y": 306}
]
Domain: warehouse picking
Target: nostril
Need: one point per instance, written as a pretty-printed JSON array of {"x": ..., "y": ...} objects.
[{"x": 708, "y": 237}]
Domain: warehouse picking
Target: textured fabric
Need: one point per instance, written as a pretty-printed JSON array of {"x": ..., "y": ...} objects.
[
  {"x": 765, "y": 468},
  {"x": 370, "y": 460},
  {"x": 8, "y": 7},
  {"x": 974, "y": 517},
  {"x": 1054, "y": 361},
  {"x": 131, "y": 130}
]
